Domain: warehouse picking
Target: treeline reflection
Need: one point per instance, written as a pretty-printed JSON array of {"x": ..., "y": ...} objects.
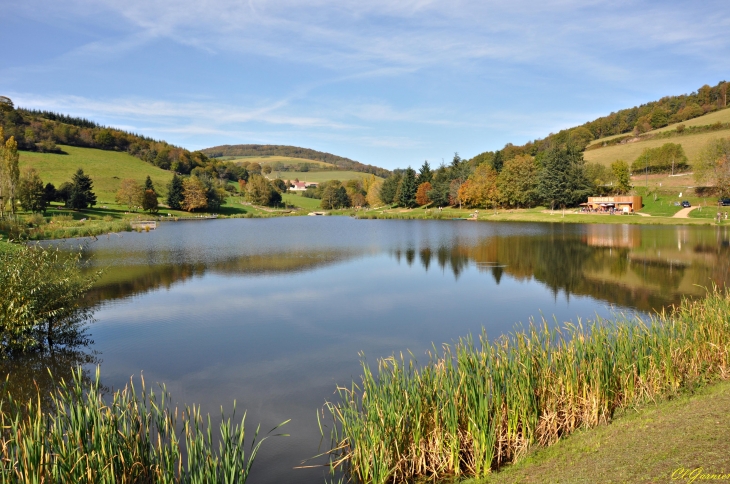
[
  {"x": 631, "y": 266},
  {"x": 622, "y": 265}
]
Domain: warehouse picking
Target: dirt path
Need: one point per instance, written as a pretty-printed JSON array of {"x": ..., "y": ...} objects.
[{"x": 684, "y": 213}]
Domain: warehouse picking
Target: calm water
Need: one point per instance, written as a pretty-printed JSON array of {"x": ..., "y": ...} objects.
[{"x": 272, "y": 313}]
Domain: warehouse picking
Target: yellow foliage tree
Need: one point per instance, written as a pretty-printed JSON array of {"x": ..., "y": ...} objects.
[
  {"x": 374, "y": 193},
  {"x": 194, "y": 194},
  {"x": 130, "y": 193}
]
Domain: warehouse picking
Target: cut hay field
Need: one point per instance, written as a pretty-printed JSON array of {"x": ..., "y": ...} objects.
[
  {"x": 628, "y": 152},
  {"x": 106, "y": 168}
]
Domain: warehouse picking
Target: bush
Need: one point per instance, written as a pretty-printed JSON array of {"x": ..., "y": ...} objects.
[{"x": 40, "y": 293}]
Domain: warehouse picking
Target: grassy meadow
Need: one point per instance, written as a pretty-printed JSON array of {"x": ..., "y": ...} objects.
[{"x": 106, "y": 168}]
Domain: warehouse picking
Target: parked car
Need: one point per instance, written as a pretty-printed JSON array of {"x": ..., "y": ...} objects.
[
  {"x": 686, "y": 204},
  {"x": 725, "y": 202}
]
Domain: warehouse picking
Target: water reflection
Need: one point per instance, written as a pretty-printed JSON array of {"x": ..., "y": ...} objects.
[
  {"x": 34, "y": 376},
  {"x": 641, "y": 267}
]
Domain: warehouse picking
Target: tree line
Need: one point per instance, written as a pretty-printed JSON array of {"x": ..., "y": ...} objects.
[{"x": 558, "y": 177}]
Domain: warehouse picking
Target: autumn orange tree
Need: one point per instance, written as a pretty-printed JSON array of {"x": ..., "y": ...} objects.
[
  {"x": 422, "y": 193},
  {"x": 480, "y": 190}
]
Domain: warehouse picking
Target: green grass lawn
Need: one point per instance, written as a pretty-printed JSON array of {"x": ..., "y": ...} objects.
[
  {"x": 106, "y": 168},
  {"x": 299, "y": 201},
  {"x": 647, "y": 445}
]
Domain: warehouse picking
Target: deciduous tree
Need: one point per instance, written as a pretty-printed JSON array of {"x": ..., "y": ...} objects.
[
  {"x": 713, "y": 165},
  {"x": 194, "y": 194},
  {"x": 517, "y": 182},
  {"x": 481, "y": 190},
  {"x": 422, "y": 193},
  {"x": 31, "y": 194},
  {"x": 149, "y": 201},
  {"x": 130, "y": 193},
  {"x": 622, "y": 177}
]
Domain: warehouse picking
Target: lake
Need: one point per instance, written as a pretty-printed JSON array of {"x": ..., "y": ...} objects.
[{"x": 274, "y": 313}]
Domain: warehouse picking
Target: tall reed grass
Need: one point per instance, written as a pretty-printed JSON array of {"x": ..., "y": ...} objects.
[
  {"x": 132, "y": 438},
  {"x": 477, "y": 405}
]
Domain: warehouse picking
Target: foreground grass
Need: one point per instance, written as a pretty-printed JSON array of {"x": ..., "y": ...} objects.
[
  {"x": 649, "y": 445},
  {"x": 477, "y": 406},
  {"x": 134, "y": 437}
]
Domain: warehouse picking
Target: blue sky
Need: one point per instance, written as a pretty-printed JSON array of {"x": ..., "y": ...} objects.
[{"x": 389, "y": 83}]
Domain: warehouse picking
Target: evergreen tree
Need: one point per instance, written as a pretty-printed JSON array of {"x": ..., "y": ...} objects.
[
  {"x": 49, "y": 194},
  {"x": 439, "y": 193},
  {"x": 498, "y": 161},
  {"x": 425, "y": 174},
  {"x": 81, "y": 195},
  {"x": 175, "y": 195},
  {"x": 562, "y": 180},
  {"x": 389, "y": 188},
  {"x": 148, "y": 184},
  {"x": 408, "y": 188}
]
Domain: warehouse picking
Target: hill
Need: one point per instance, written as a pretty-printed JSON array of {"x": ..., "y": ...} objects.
[
  {"x": 106, "y": 168},
  {"x": 44, "y": 131},
  {"x": 656, "y": 117},
  {"x": 692, "y": 135},
  {"x": 293, "y": 152}
]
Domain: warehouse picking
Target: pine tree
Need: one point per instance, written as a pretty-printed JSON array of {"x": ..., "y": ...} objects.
[
  {"x": 389, "y": 189},
  {"x": 81, "y": 195},
  {"x": 175, "y": 195},
  {"x": 562, "y": 180},
  {"x": 498, "y": 161},
  {"x": 408, "y": 188},
  {"x": 425, "y": 174},
  {"x": 148, "y": 184}
]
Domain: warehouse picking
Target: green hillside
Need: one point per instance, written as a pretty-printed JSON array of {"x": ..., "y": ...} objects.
[
  {"x": 106, "y": 168},
  {"x": 628, "y": 152}
]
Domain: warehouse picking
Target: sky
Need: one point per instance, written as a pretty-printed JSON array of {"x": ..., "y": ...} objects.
[{"x": 389, "y": 83}]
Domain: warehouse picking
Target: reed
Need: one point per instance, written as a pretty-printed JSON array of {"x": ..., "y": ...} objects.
[
  {"x": 134, "y": 437},
  {"x": 479, "y": 404}
]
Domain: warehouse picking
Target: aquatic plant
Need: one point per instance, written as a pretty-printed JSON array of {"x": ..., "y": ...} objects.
[
  {"x": 474, "y": 407},
  {"x": 131, "y": 438}
]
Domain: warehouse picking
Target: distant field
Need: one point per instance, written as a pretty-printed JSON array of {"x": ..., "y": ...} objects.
[
  {"x": 270, "y": 160},
  {"x": 106, "y": 168},
  {"x": 692, "y": 145},
  {"x": 722, "y": 116},
  {"x": 319, "y": 176}
]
